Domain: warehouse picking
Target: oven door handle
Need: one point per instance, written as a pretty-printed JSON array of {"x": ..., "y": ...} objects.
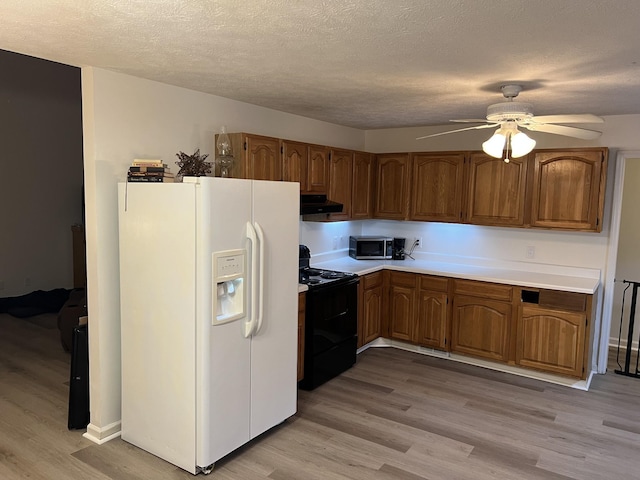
[
  {"x": 250, "y": 324},
  {"x": 260, "y": 317}
]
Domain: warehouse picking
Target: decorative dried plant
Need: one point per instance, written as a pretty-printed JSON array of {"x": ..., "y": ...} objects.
[{"x": 193, "y": 165}]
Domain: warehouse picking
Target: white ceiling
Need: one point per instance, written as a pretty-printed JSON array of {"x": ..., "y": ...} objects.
[{"x": 365, "y": 64}]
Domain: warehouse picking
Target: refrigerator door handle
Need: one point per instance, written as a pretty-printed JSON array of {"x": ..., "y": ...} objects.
[
  {"x": 260, "y": 233},
  {"x": 249, "y": 325}
]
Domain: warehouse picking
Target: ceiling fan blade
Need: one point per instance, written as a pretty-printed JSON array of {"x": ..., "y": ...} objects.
[
  {"x": 580, "y": 118},
  {"x": 477, "y": 127},
  {"x": 470, "y": 120},
  {"x": 575, "y": 132}
]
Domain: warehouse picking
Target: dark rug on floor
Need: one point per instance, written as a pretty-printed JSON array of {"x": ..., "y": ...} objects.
[{"x": 35, "y": 303}]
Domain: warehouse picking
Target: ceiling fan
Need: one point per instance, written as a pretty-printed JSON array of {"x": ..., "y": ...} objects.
[{"x": 508, "y": 116}]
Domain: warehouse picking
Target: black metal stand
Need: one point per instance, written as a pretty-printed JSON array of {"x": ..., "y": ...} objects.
[{"x": 632, "y": 315}]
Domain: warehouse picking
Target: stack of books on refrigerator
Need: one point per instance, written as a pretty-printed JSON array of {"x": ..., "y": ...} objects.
[{"x": 146, "y": 170}]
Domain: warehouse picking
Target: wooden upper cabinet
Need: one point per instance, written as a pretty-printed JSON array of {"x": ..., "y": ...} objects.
[
  {"x": 392, "y": 186},
  {"x": 340, "y": 177},
  {"x": 318, "y": 169},
  {"x": 437, "y": 186},
  {"x": 295, "y": 157},
  {"x": 362, "y": 186},
  {"x": 496, "y": 190},
  {"x": 568, "y": 189},
  {"x": 262, "y": 159}
]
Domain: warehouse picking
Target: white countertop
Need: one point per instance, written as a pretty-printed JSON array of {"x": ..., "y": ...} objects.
[{"x": 570, "y": 279}]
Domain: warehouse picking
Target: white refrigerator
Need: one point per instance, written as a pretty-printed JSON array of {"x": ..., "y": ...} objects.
[{"x": 208, "y": 295}]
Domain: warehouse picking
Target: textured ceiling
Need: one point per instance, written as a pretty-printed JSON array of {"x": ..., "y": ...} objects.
[{"x": 365, "y": 64}]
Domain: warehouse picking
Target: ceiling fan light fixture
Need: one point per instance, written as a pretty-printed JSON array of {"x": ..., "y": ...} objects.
[
  {"x": 521, "y": 144},
  {"x": 495, "y": 145}
]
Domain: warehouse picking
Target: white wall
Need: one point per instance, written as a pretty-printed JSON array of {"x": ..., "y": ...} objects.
[
  {"x": 628, "y": 261},
  {"x": 126, "y": 118},
  {"x": 41, "y": 179},
  {"x": 508, "y": 244}
]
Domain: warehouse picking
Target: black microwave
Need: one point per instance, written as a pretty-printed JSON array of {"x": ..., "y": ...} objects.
[{"x": 371, "y": 248}]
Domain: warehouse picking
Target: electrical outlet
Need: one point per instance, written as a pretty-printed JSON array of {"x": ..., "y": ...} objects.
[
  {"x": 531, "y": 251},
  {"x": 418, "y": 242}
]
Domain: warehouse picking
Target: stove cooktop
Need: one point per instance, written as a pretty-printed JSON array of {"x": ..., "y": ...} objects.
[{"x": 316, "y": 276}]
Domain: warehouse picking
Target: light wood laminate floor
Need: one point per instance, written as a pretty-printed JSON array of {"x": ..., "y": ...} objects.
[{"x": 395, "y": 415}]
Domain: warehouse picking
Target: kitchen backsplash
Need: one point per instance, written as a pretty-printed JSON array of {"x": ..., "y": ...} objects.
[{"x": 512, "y": 244}]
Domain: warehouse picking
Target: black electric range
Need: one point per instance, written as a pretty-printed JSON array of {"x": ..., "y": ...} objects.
[
  {"x": 317, "y": 277},
  {"x": 331, "y": 322}
]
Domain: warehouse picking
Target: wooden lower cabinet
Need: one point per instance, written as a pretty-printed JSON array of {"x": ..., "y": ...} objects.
[
  {"x": 481, "y": 319},
  {"x": 370, "y": 308},
  {"x": 402, "y": 305},
  {"x": 488, "y": 320},
  {"x": 302, "y": 297},
  {"x": 433, "y": 314},
  {"x": 551, "y": 340}
]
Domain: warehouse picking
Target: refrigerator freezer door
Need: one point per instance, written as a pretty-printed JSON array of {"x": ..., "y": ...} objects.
[
  {"x": 274, "y": 344},
  {"x": 157, "y": 229}
]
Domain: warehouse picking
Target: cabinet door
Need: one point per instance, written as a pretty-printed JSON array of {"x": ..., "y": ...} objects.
[
  {"x": 432, "y": 319},
  {"x": 370, "y": 308},
  {"x": 318, "y": 169},
  {"x": 392, "y": 187},
  {"x": 362, "y": 186},
  {"x": 294, "y": 163},
  {"x": 496, "y": 190},
  {"x": 301, "y": 314},
  {"x": 437, "y": 187},
  {"x": 481, "y": 327},
  {"x": 568, "y": 189},
  {"x": 402, "y": 295},
  {"x": 551, "y": 340},
  {"x": 340, "y": 176},
  {"x": 262, "y": 158}
]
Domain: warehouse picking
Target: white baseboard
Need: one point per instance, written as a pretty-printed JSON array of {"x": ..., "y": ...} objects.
[
  {"x": 545, "y": 377},
  {"x": 613, "y": 342},
  {"x": 102, "y": 435}
]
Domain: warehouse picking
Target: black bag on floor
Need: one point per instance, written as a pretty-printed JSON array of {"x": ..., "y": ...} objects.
[{"x": 79, "y": 381}]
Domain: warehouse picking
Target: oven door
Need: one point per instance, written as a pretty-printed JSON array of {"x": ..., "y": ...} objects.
[{"x": 331, "y": 325}]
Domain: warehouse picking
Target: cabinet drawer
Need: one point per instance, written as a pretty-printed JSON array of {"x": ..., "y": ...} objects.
[
  {"x": 372, "y": 280},
  {"x": 485, "y": 290},
  {"x": 402, "y": 279},
  {"x": 571, "y": 301},
  {"x": 439, "y": 284}
]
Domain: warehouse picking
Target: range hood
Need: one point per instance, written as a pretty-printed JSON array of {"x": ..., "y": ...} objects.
[{"x": 312, "y": 204}]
